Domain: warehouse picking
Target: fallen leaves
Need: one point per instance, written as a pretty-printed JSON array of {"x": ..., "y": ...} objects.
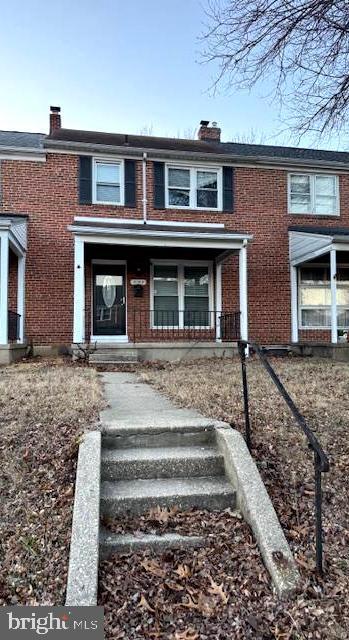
[
  {"x": 152, "y": 566},
  {"x": 43, "y": 408},
  {"x": 217, "y": 589},
  {"x": 144, "y": 604}
]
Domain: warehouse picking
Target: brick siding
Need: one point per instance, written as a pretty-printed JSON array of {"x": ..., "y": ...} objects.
[{"x": 48, "y": 193}]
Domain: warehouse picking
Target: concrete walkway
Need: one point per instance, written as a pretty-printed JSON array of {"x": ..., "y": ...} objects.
[{"x": 134, "y": 405}]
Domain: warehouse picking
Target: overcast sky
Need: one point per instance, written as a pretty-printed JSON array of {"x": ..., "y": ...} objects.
[{"x": 119, "y": 65}]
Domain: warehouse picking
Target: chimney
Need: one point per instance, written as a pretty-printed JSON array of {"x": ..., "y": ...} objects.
[
  {"x": 209, "y": 134},
  {"x": 55, "y": 118}
]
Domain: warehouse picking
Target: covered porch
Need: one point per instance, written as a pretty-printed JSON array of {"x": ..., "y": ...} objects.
[
  {"x": 319, "y": 264},
  {"x": 158, "y": 288},
  {"x": 13, "y": 246}
]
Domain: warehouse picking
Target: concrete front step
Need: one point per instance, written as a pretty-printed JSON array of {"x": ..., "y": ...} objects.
[
  {"x": 138, "y": 496},
  {"x": 127, "y": 542},
  {"x": 161, "y": 462},
  {"x": 156, "y": 437}
]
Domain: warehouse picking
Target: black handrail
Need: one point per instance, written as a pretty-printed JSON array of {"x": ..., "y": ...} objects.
[{"x": 321, "y": 462}]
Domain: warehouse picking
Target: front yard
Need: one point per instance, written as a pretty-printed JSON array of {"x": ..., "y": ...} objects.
[
  {"x": 44, "y": 408},
  {"x": 320, "y": 389},
  {"x": 213, "y": 592}
]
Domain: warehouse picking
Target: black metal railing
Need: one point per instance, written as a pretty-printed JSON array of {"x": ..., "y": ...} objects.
[
  {"x": 162, "y": 324},
  {"x": 321, "y": 462},
  {"x": 13, "y": 326}
]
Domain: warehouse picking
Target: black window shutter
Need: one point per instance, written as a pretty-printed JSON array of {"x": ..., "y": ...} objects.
[
  {"x": 228, "y": 189},
  {"x": 159, "y": 185},
  {"x": 130, "y": 183},
  {"x": 85, "y": 179}
]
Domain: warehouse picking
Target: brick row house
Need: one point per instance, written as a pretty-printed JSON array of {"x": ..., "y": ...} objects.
[{"x": 169, "y": 247}]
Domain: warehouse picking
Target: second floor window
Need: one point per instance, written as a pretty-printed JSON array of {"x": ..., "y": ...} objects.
[
  {"x": 313, "y": 194},
  {"x": 193, "y": 188},
  {"x": 107, "y": 184}
]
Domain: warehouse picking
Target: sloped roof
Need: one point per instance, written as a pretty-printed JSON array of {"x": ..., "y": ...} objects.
[
  {"x": 21, "y": 139},
  {"x": 235, "y": 149}
]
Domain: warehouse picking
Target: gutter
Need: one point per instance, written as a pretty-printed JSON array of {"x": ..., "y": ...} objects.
[
  {"x": 75, "y": 228},
  {"x": 144, "y": 187},
  {"x": 33, "y": 153},
  {"x": 53, "y": 146}
]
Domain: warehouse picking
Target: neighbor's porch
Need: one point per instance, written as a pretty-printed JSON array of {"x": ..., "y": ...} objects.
[
  {"x": 13, "y": 244},
  {"x": 320, "y": 286},
  {"x": 159, "y": 290}
]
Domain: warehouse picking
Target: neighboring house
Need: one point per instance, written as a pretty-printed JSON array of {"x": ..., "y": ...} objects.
[{"x": 149, "y": 241}]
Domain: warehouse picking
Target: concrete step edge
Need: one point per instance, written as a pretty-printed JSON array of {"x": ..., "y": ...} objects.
[
  {"x": 155, "y": 488},
  {"x": 164, "y": 453},
  {"x": 127, "y": 542}
]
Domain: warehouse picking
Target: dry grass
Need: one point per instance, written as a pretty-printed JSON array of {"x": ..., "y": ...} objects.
[
  {"x": 44, "y": 408},
  {"x": 320, "y": 389}
]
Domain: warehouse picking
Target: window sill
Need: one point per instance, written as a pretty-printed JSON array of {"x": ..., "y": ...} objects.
[
  {"x": 108, "y": 204},
  {"x": 315, "y": 215},
  {"x": 173, "y": 208}
]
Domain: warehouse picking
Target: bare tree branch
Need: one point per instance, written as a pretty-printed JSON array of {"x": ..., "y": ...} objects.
[{"x": 301, "y": 46}]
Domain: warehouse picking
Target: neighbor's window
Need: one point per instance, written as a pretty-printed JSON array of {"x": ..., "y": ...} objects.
[
  {"x": 313, "y": 194},
  {"x": 315, "y": 297},
  {"x": 107, "y": 182},
  {"x": 194, "y": 188},
  {"x": 181, "y": 296}
]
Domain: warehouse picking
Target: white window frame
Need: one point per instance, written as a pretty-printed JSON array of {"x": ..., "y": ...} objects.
[
  {"x": 312, "y": 178},
  {"x": 193, "y": 169},
  {"x": 181, "y": 264},
  {"x": 326, "y": 306},
  {"x": 114, "y": 161}
]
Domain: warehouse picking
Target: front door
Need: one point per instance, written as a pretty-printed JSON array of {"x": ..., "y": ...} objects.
[{"x": 109, "y": 301}]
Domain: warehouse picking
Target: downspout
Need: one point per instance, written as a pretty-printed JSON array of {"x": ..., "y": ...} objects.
[{"x": 144, "y": 187}]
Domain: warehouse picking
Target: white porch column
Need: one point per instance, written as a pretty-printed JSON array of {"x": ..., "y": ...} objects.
[
  {"x": 79, "y": 291},
  {"x": 21, "y": 296},
  {"x": 218, "y": 300},
  {"x": 333, "y": 274},
  {"x": 4, "y": 272},
  {"x": 243, "y": 292},
  {"x": 294, "y": 303}
]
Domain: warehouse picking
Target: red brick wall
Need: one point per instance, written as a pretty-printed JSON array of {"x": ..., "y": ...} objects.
[{"x": 48, "y": 193}]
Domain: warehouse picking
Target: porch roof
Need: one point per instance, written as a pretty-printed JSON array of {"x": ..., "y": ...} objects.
[
  {"x": 309, "y": 242},
  {"x": 15, "y": 226},
  {"x": 132, "y": 232}
]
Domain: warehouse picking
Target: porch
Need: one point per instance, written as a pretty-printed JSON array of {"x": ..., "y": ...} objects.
[
  {"x": 319, "y": 263},
  {"x": 13, "y": 245},
  {"x": 158, "y": 291}
]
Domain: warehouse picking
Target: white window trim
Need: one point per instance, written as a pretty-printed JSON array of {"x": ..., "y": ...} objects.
[
  {"x": 180, "y": 264},
  {"x": 192, "y": 191},
  {"x": 312, "y": 177},
  {"x": 303, "y": 327},
  {"x": 115, "y": 161}
]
